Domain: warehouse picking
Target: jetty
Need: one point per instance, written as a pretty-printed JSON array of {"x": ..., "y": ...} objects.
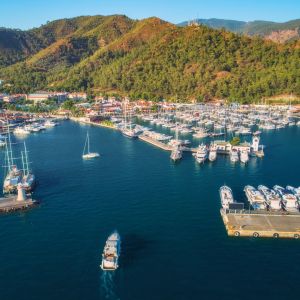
[
  {"x": 264, "y": 224},
  {"x": 18, "y": 202},
  {"x": 88, "y": 122}
]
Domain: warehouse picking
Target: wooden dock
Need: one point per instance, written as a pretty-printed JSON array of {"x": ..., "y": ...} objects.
[
  {"x": 261, "y": 224},
  {"x": 10, "y": 204}
]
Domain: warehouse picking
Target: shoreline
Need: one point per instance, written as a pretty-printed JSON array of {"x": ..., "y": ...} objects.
[{"x": 81, "y": 120}]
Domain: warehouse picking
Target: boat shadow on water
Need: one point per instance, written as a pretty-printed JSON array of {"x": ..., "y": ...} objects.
[{"x": 132, "y": 246}]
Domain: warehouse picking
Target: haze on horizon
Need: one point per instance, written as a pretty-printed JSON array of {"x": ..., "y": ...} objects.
[{"x": 33, "y": 13}]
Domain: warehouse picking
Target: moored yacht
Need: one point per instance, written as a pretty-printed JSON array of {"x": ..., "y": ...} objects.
[
  {"x": 212, "y": 152},
  {"x": 234, "y": 155},
  {"x": 295, "y": 191},
  {"x": 289, "y": 200},
  {"x": 176, "y": 153},
  {"x": 273, "y": 200},
  {"x": 244, "y": 156},
  {"x": 202, "y": 154},
  {"x": 21, "y": 131},
  {"x": 28, "y": 179},
  {"x": 12, "y": 179},
  {"x": 226, "y": 196},
  {"x": 111, "y": 252},
  {"x": 255, "y": 197}
]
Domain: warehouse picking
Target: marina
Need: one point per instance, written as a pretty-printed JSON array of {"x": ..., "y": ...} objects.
[{"x": 65, "y": 229}]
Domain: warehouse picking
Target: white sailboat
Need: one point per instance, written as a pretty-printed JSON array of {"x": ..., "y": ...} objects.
[
  {"x": 14, "y": 175},
  {"x": 176, "y": 153},
  {"x": 128, "y": 132},
  {"x": 28, "y": 180},
  {"x": 86, "y": 150}
]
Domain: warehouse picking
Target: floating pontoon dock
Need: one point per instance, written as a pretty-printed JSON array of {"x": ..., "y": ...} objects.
[{"x": 261, "y": 224}]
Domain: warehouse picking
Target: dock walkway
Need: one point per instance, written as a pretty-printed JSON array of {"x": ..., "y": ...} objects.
[{"x": 252, "y": 224}]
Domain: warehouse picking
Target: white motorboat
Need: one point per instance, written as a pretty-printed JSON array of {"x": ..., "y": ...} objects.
[
  {"x": 176, "y": 154},
  {"x": 255, "y": 197},
  {"x": 202, "y": 154},
  {"x": 212, "y": 152},
  {"x": 21, "y": 131},
  {"x": 234, "y": 155},
  {"x": 111, "y": 252},
  {"x": 226, "y": 196},
  {"x": 289, "y": 200},
  {"x": 244, "y": 156},
  {"x": 273, "y": 200}
]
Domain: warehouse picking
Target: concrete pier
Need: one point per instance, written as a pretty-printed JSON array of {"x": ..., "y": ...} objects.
[
  {"x": 156, "y": 143},
  {"x": 11, "y": 204},
  {"x": 261, "y": 224}
]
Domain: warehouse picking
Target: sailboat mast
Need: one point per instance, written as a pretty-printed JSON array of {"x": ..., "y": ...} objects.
[
  {"x": 88, "y": 141},
  {"x": 23, "y": 164},
  {"x": 9, "y": 149},
  {"x": 26, "y": 160}
]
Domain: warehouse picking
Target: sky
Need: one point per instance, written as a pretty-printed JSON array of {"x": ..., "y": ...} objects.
[{"x": 25, "y": 14}]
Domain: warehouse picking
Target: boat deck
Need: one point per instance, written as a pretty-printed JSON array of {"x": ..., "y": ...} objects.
[
  {"x": 10, "y": 204},
  {"x": 263, "y": 224}
]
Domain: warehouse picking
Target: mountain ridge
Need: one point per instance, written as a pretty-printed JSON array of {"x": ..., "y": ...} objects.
[
  {"x": 152, "y": 59},
  {"x": 275, "y": 31}
]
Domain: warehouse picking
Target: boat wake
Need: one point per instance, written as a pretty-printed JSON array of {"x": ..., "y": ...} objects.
[{"x": 108, "y": 289}]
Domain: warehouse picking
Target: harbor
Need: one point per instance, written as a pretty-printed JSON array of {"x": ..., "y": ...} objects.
[{"x": 162, "y": 211}]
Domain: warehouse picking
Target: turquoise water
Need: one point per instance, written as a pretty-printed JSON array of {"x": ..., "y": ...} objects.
[{"x": 174, "y": 245}]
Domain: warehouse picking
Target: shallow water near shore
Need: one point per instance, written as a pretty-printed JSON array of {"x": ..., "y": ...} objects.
[{"x": 174, "y": 244}]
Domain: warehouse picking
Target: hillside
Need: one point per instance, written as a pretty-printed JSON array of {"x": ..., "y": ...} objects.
[
  {"x": 153, "y": 59},
  {"x": 277, "y": 32}
]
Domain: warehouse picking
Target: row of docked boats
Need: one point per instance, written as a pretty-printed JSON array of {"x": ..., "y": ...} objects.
[
  {"x": 205, "y": 153},
  {"x": 25, "y": 129},
  {"x": 277, "y": 198},
  {"x": 211, "y": 121},
  {"x": 265, "y": 198}
]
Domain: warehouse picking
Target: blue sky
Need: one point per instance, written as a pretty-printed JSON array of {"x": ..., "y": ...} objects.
[{"x": 26, "y": 14}]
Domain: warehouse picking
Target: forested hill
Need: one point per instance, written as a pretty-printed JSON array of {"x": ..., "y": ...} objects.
[
  {"x": 277, "y": 32},
  {"x": 150, "y": 58}
]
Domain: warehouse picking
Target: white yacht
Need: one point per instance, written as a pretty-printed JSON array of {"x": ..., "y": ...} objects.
[
  {"x": 49, "y": 124},
  {"x": 295, "y": 191},
  {"x": 21, "y": 131},
  {"x": 226, "y": 196},
  {"x": 289, "y": 200},
  {"x": 130, "y": 133},
  {"x": 273, "y": 200},
  {"x": 234, "y": 155},
  {"x": 86, "y": 150},
  {"x": 212, "y": 152},
  {"x": 244, "y": 156},
  {"x": 111, "y": 252},
  {"x": 255, "y": 197},
  {"x": 202, "y": 154},
  {"x": 176, "y": 154}
]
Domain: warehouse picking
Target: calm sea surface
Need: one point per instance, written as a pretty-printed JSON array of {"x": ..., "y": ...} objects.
[{"x": 174, "y": 244}]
